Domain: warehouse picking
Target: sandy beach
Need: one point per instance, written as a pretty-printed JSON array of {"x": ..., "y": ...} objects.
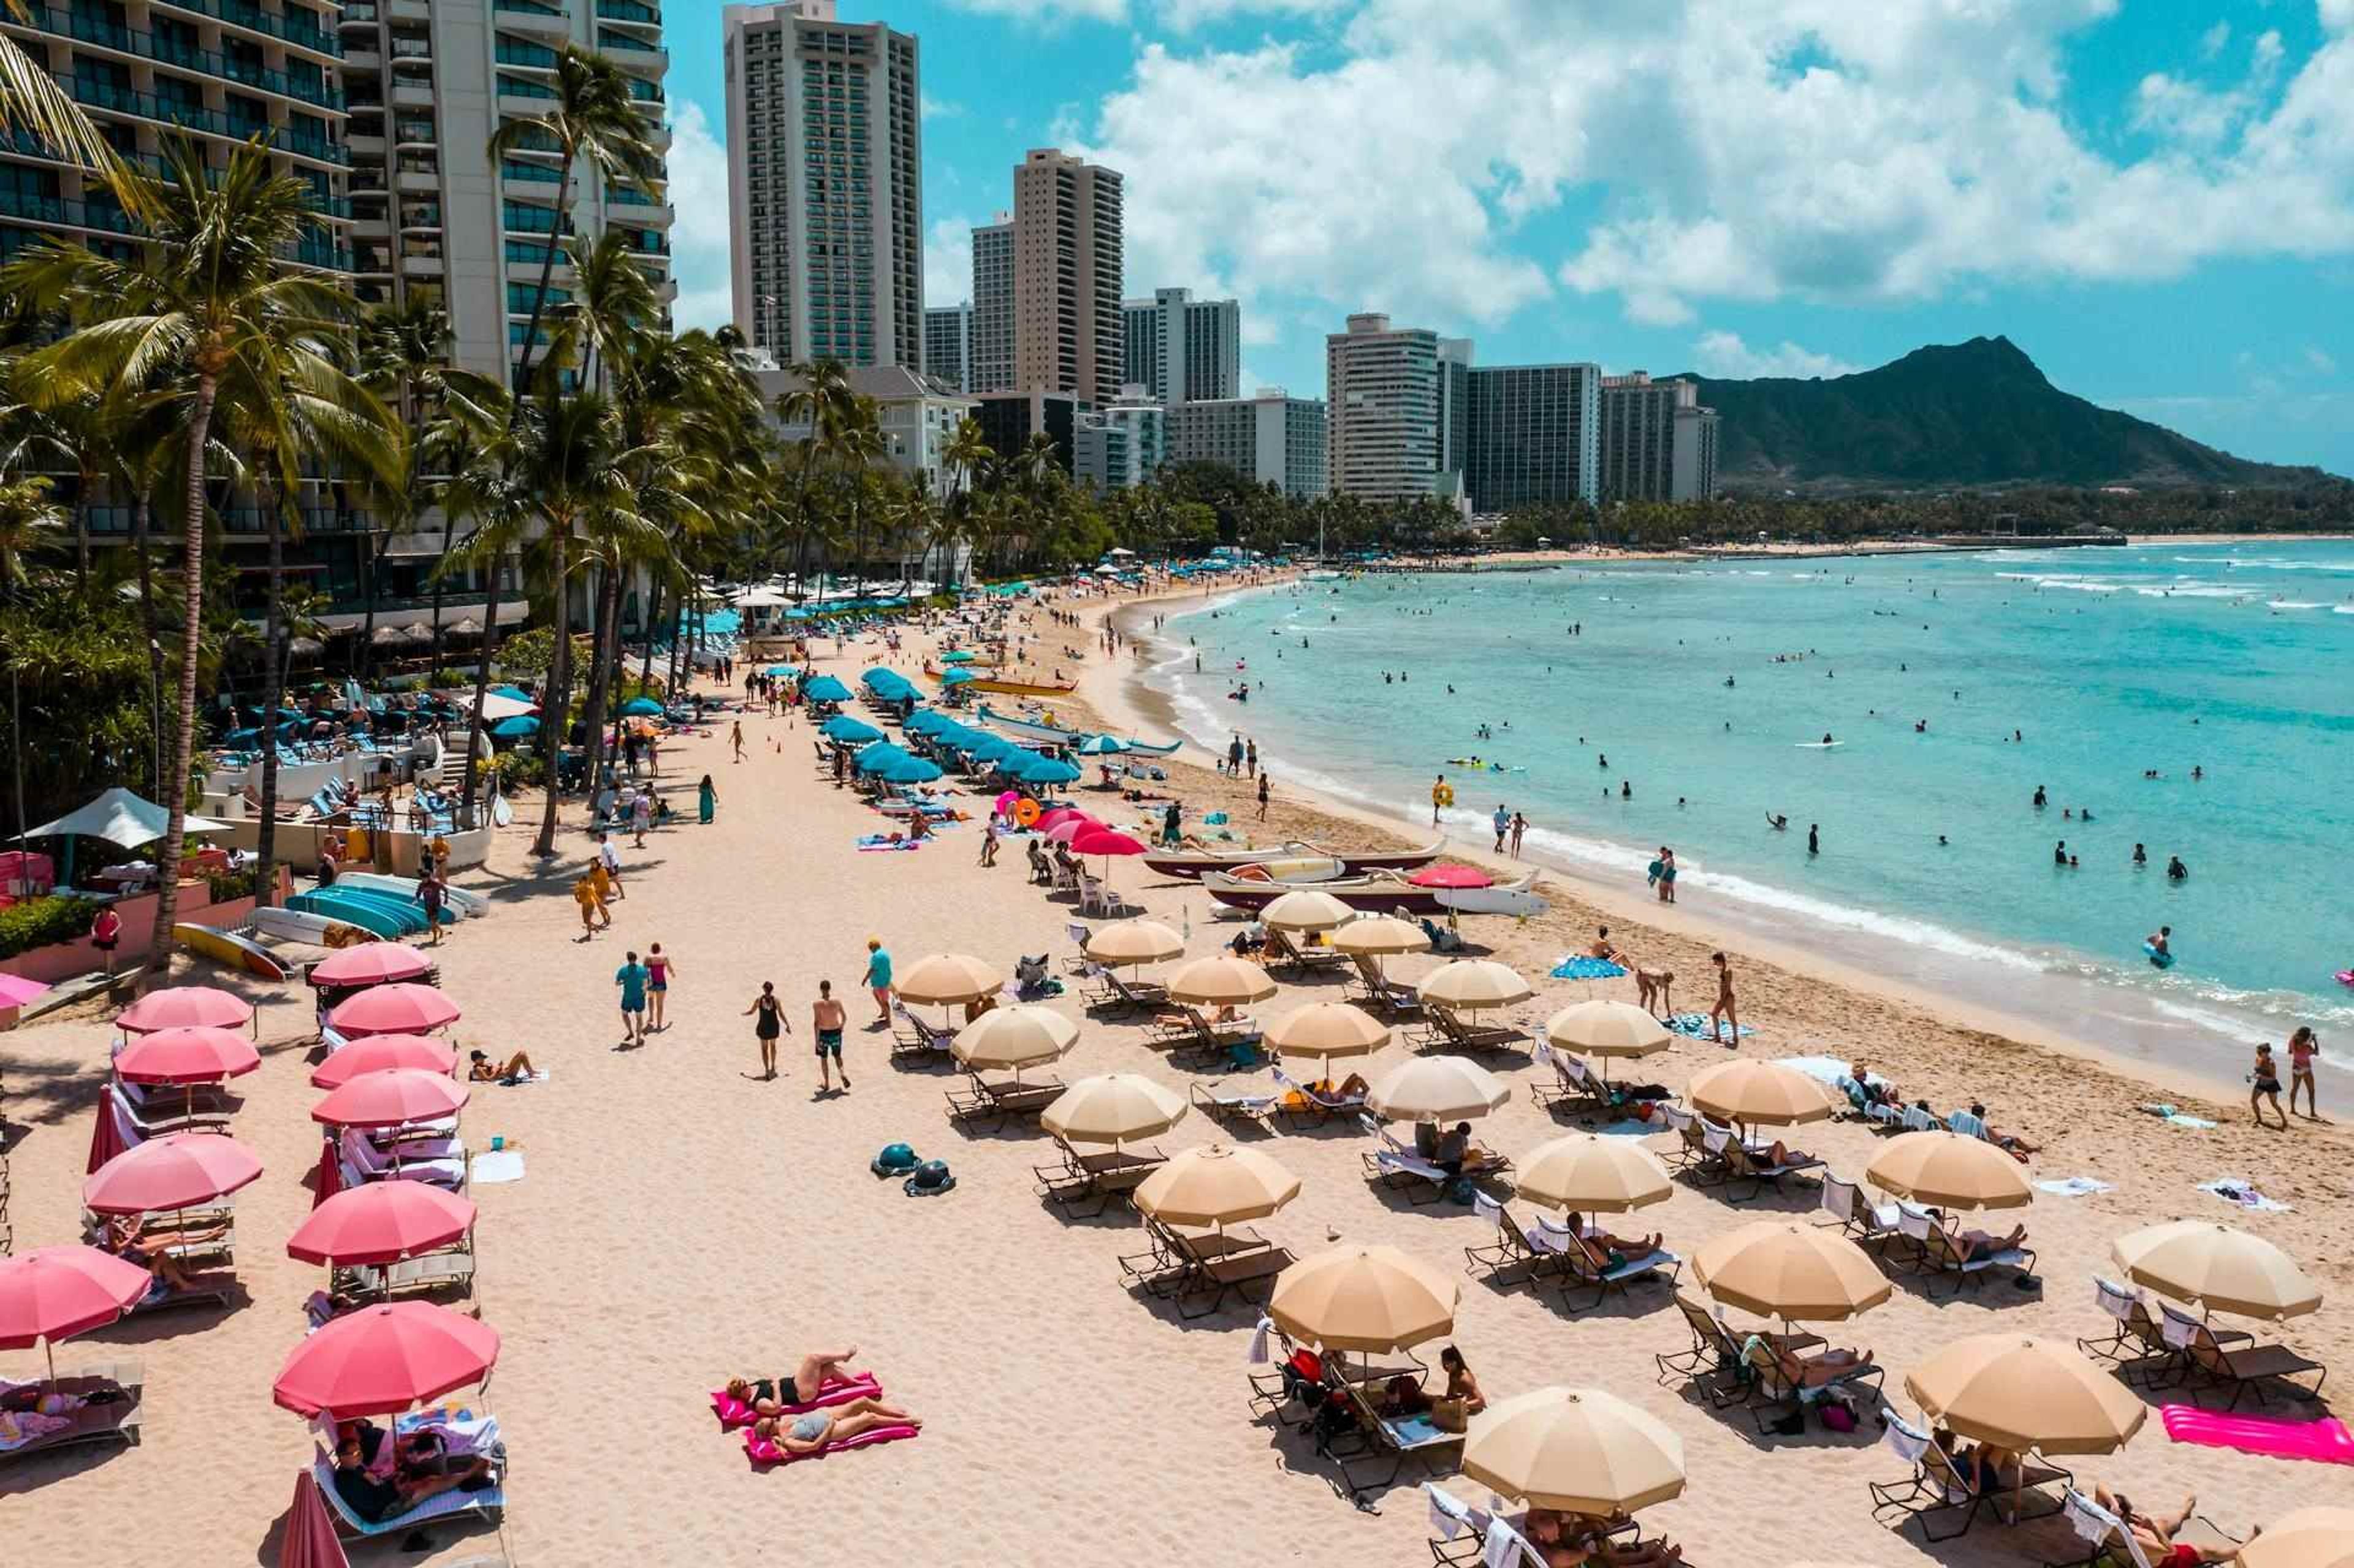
[{"x": 681, "y": 1220}]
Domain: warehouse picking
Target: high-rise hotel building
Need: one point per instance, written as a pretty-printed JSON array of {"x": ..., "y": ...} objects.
[
  {"x": 432, "y": 213},
  {"x": 1182, "y": 349},
  {"x": 991, "y": 367},
  {"x": 1533, "y": 435},
  {"x": 1068, "y": 332},
  {"x": 1658, "y": 443},
  {"x": 1389, "y": 411},
  {"x": 825, "y": 185}
]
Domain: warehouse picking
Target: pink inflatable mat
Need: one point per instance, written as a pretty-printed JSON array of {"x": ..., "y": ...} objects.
[
  {"x": 2326, "y": 1441},
  {"x": 762, "y": 1452},
  {"x": 734, "y": 1413}
]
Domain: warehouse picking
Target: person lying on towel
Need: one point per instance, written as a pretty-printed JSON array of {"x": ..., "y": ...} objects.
[{"x": 820, "y": 1429}]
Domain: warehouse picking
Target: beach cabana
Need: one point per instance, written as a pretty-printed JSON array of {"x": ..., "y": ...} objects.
[{"x": 121, "y": 819}]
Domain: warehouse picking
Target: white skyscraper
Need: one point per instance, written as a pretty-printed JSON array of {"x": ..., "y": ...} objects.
[
  {"x": 1182, "y": 349},
  {"x": 993, "y": 307},
  {"x": 1395, "y": 418},
  {"x": 825, "y": 194}
]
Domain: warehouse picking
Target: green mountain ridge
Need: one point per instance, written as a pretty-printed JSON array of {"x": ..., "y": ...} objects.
[{"x": 1975, "y": 413}]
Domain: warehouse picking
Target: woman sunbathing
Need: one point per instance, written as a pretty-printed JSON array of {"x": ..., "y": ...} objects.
[
  {"x": 1819, "y": 1370},
  {"x": 482, "y": 1070},
  {"x": 2154, "y": 1534},
  {"x": 770, "y": 1396},
  {"x": 1974, "y": 1244},
  {"x": 1579, "y": 1541},
  {"x": 152, "y": 1251},
  {"x": 819, "y": 1429}
]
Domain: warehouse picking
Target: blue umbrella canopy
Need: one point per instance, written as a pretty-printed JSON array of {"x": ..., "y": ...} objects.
[
  {"x": 517, "y": 692},
  {"x": 991, "y": 747},
  {"x": 1102, "y": 746},
  {"x": 641, "y": 707},
  {"x": 908, "y": 770},
  {"x": 1044, "y": 771},
  {"x": 957, "y": 677},
  {"x": 854, "y": 732},
  {"x": 959, "y": 657},
  {"x": 880, "y": 755},
  {"x": 516, "y": 724},
  {"x": 927, "y": 721},
  {"x": 826, "y": 689}
]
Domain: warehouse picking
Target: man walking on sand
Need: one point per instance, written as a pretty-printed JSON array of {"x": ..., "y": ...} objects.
[
  {"x": 1724, "y": 1011},
  {"x": 1502, "y": 822},
  {"x": 610, "y": 859},
  {"x": 878, "y": 981},
  {"x": 827, "y": 1018},
  {"x": 631, "y": 977}
]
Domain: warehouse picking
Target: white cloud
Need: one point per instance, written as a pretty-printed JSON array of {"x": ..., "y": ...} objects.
[
  {"x": 2212, "y": 41},
  {"x": 698, "y": 189},
  {"x": 1049, "y": 11},
  {"x": 1807, "y": 149},
  {"x": 947, "y": 262},
  {"x": 1723, "y": 355},
  {"x": 2319, "y": 359},
  {"x": 1183, "y": 15},
  {"x": 939, "y": 108}
]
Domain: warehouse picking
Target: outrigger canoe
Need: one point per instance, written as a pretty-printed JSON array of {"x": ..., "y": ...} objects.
[
  {"x": 1379, "y": 892},
  {"x": 1054, "y": 735},
  {"x": 1191, "y": 865},
  {"x": 1018, "y": 688}
]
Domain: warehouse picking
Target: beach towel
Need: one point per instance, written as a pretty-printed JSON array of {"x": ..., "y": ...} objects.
[
  {"x": 1576, "y": 967},
  {"x": 2240, "y": 1190},
  {"x": 734, "y": 1413},
  {"x": 2074, "y": 1187},
  {"x": 882, "y": 843},
  {"x": 2324, "y": 1441},
  {"x": 500, "y": 1165},
  {"x": 1633, "y": 1126},
  {"x": 762, "y": 1452},
  {"x": 2167, "y": 1114},
  {"x": 1696, "y": 1025}
]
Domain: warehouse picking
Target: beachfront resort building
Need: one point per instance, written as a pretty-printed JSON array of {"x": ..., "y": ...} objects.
[
  {"x": 1396, "y": 411},
  {"x": 825, "y": 184},
  {"x": 948, "y": 344},
  {"x": 1268, "y": 439},
  {"x": 1657, "y": 442},
  {"x": 990, "y": 366},
  {"x": 1119, "y": 446},
  {"x": 917, "y": 415},
  {"x": 1532, "y": 435},
  {"x": 1182, "y": 349},
  {"x": 1008, "y": 420},
  {"x": 1068, "y": 332}
]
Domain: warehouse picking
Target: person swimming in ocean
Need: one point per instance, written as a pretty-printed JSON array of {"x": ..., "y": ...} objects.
[
  {"x": 1814, "y": 837},
  {"x": 2175, "y": 870},
  {"x": 1776, "y": 822},
  {"x": 2060, "y": 853},
  {"x": 2156, "y": 942},
  {"x": 1626, "y": 789},
  {"x": 1940, "y": 840},
  {"x": 2141, "y": 856},
  {"x": 2040, "y": 801}
]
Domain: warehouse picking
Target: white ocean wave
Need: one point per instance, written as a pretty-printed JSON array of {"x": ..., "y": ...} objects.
[{"x": 2294, "y": 604}]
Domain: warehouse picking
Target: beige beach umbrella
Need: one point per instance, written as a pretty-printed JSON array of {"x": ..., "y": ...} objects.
[
  {"x": 1014, "y": 1038},
  {"x": 1949, "y": 1171},
  {"x": 1328, "y": 1028},
  {"x": 1586, "y": 1173},
  {"x": 2307, "y": 1538},
  {"x": 2019, "y": 1392},
  {"x": 1472, "y": 983},
  {"x": 1216, "y": 1184},
  {"x": 2220, "y": 1268},
  {"x": 1112, "y": 1107},
  {"x": 1220, "y": 982},
  {"x": 1379, "y": 936},
  {"x": 1759, "y": 1094},
  {"x": 947, "y": 979},
  {"x": 1576, "y": 1449},
  {"x": 1134, "y": 942},
  {"x": 1608, "y": 1029},
  {"x": 1372, "y": 1298},
  {"x": 1776, "y": 1268},
  {"x": 1437, "y": 1088},
  {"x": 1305, "y": 910}
]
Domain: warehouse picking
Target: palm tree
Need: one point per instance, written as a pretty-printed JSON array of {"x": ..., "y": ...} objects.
[
  {"x": 591, "y": 117},
  {"x": 29, "y": 523},
  {"x": 612, "y": 303},
  {"x": 205, "y": 312},
  {"x": 402, "y": 349},
  {"x": 31, "y": 99},
  {"x": 469, "y": 412},
  {"x": 821, "y": 400},
  {"x": 857, "y": 445}
]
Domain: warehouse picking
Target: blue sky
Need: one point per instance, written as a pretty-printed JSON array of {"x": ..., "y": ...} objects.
[{"x": 2154, "y": 198}]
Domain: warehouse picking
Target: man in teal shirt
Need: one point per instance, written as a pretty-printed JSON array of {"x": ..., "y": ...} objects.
[
  {"x": 631, "y": 978},
  {"x": 878, "y": 981}
]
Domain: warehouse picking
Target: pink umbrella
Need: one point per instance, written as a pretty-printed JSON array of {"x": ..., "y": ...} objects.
[
  {"x": 53, "y": 1293},
  {"x": 374, "y": 1053},
  {"x": 1049, "y": 820},
  {"x": 383, "y": 1222},
  {"x": 106, "y": 1137},
  {"x": 1450, "y": 876},
  {"x": 185, "y": 1006},
  {"x": 328, "y": 1179},
  {"x": 392, "y": 1010},
  {"x": 371, "y": 963},
  {"x": 187, "y": 1053},
  {"x": 15, "y": 990},
  {"x": 390, "y": 1096},
  {"x": 380, "y": 1361},
  {"x": 1066, "y": 829},
  {"x": 1105, "y": 841},
  {"x": 178, "y": 1170},
  {"x": 310, "y": 1539}
]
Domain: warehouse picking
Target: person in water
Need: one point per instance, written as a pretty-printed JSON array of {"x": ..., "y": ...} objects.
[
  {"x": 1814, "y": 837},
  {"x": 2175, "y": 870},
  {"x": 2157, "y": 939},
  {"x": 1777, "y": 823},
  {"x": 2141, "y": 855}
]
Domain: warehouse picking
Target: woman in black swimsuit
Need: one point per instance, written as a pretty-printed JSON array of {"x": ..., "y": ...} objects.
[{"x": 772, "y": 1022}]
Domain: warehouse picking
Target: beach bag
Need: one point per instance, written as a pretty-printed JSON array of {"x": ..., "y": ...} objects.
[
  {"x": 1839, "y": 1418},
  {"x": 930, "y": 1180},
  {"x": 895, "y": 1160},
  {"x": 1460, "y": 1191}
]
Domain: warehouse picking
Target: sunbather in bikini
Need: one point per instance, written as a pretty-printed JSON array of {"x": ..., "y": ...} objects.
[
  {"x": 2154, "y": 1534},
  {"x": 1815, "y": 1371},
  {"x": 809, "y": 1380},
  {"x": 1578, "y": 1541},
  {"x": 152, "y": 1251},
  {"x": 1973, "y": 1243},
  {"x": 1782, "y": 1153},
  {"x": 819, "y": 1429}
]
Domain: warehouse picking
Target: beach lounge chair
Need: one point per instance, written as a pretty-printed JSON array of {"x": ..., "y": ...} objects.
[
  {"x": 1284, "y": 953},
  {"x": 456, "y": 1503},
  {"x": 450, "y": 1271},
  {"x": 115, "y": 1420},
  {"x": 913, "y": 1036},
  {"x": 1101, "y": 1174},
  {"x": 981, "y": 1100},
  {"x": 363, "y": 1161},
  {"x": 1936, "y": 1493},
  {"x": 1572, "y": 1086},
  {"x": 2140, "y": 1347},
  {"x": 1714, "y": 1361},
  {"x": 1537, "y": 1249},
  {"x": 1185, "y": 1031},
  {"x": 1444, "y": 1029},
  {"x": 1582, "y": 1271},
  {"x": 2242, "y": 1369},
  {"x": 1746, "y": 1163},
  {"x": 1136, "y": 995},
  {"x": 220, "y": 1249},
  {"x": 155, "y": 1109},
  {"x": 1770, "y": 1389},
  {"x": 1227, "y": 1106},
  {"x": 2103, "y": 1532},
  {"x": 1078, "y": 963},
  {"x": 1173, "y": 1250},
  {"x": 1304, "y": 1103},
  {"x": 1690, "y": 1152},
  {"x": 1941, "y": 1252},
  {"x": 1396, "y": 1164},
  {"x": 1389, "y": 996},
  {"x": 1390, "y": 1442},
  {"x": 1869, "y": 1224}
]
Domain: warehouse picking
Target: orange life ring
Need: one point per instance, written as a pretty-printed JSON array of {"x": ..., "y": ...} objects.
[{"x": 1026, "y": 812}]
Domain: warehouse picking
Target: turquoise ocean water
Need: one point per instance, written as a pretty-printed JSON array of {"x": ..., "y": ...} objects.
[{"x": 2238, "y": 659}]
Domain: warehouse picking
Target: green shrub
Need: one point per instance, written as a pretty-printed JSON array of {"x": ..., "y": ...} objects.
[
  {"x": 230, "y": 884},
  {"x": 515, "y": 769},
  {"x": 451, "y": 680},
  {"x": 39, "y": 922}
]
